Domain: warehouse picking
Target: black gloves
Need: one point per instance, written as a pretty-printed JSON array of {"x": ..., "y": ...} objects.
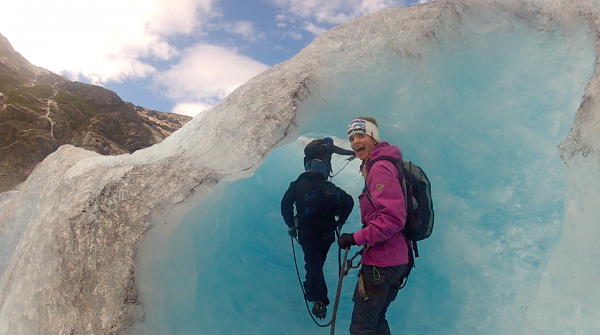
[
  {"x": 292, "y": 231},
  {"x": 340, "y": 223},
  {"x": 346, "y": 240},
  {"x": 351, "y": 158}
]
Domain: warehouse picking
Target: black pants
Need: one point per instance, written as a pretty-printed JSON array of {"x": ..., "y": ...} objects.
[
  {"x": 382, "y": 285},
  {"x": 315, "y": 245}
]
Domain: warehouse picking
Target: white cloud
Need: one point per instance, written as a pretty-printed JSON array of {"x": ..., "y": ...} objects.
[
  {"x": 99, "y": 40},
  {"x": 333, "y": 12},
  {"x": 206, "y": 74},
  {"x": 310, "y": 27},
  {"x": 288, "y": 18},
  {"x": 244, "y": 29},
  {"x": 190, "y": 108},
  {"x": 294, "y": 35}
]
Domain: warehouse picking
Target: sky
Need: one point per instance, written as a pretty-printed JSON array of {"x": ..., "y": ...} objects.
[{"x": 180, "y": 56}]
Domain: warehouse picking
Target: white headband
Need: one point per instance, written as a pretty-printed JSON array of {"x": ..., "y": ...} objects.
[{"x": 359, "y": 126}]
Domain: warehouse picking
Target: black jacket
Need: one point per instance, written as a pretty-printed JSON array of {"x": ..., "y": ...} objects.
[
  {"x": 308, "y": 181},
  {"x": 318, "y": 150}
]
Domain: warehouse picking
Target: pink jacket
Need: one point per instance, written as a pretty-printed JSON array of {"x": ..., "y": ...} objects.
[{"x": 384, "y": 219}]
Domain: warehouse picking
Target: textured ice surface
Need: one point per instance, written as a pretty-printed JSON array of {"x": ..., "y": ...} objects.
[{"x": 185, "y": 237}]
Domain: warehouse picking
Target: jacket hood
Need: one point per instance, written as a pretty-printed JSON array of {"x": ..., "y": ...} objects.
[
  {"x": 384, "y": 149},
  {"x": 311, "y": 175}
]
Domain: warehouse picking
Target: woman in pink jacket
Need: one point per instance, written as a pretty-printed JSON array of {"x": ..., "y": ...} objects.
[{"x": 387, "y": 256}]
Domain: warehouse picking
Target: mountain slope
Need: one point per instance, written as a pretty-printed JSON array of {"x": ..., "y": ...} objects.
[{"x": 40, "y": 111}]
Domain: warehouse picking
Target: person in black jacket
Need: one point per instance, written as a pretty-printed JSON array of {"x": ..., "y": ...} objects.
[
  {"x": 318, "y": 202},
  {"x": 323, "y": 149}
]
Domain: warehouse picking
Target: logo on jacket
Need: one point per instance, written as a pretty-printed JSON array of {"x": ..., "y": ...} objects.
[{"x": 380, "y": 187}]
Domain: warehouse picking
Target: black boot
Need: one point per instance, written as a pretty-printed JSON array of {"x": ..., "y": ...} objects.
[{"x": 319, "y": 310}]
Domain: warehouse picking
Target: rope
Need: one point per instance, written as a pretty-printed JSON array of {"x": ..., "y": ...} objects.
[
  {"x": 343, "y": 271},
  {"x": 343, "y": 167},
  {"x": 303, "y": 292}
]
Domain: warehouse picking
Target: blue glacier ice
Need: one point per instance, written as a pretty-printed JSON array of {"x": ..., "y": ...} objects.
[
  {"x": 496, "y": 101},
  {"x": 482, "y": 112}
]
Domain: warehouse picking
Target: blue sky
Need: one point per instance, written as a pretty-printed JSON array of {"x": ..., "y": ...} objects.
[{"x": 182, "y": 56}]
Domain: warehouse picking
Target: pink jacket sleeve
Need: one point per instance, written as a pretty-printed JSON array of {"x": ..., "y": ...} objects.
[{"x": 389, "y": 215}]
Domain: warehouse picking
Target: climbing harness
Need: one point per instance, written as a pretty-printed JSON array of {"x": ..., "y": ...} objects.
[{"x": 344, "y": 268}]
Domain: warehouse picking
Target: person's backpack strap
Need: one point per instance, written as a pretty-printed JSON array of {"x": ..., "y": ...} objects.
[
  {"x": 406, "y": 190},
  {"x": 398, "y": 163},
  {"x": 408, "y": 195},
  {"x": 321, "y": 200}
]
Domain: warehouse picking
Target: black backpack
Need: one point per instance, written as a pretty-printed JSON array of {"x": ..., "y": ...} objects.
[
  {"x": 317, "y": 149},
  {"x": 417, "y": 194},
  {"x": 322, "y": 200},
  {"x": 314, "y": 148}
]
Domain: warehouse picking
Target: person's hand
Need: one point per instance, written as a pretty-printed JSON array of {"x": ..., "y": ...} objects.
[
  {"x": 340, "y": 223},
  {"x": 351, "y": 158},
  {"x": 292, "y": 231},
  {"x": 346, "y": 240}
]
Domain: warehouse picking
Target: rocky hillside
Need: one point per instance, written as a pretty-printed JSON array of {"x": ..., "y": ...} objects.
[{"x": 40, "y": 111}]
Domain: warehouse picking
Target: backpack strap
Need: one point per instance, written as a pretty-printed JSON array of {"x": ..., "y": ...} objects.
[
  {"x": 399, "y": 164},
  {"x": 406, "y": 191},
  {"x": 400, "y": 283},
  {"x": 415, "y": 249}
]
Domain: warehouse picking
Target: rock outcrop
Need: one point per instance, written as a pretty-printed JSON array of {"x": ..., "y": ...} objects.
[{"x": 40, "y": 111}]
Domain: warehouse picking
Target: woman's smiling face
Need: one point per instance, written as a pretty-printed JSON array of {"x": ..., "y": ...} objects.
[{"x": 362, "y": 145}]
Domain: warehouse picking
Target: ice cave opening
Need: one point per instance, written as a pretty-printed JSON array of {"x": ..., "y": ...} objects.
[{"x": 482, "y": 112}]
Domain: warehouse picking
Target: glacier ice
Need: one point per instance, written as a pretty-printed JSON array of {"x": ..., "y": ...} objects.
[{"x": 186, "y": 236}]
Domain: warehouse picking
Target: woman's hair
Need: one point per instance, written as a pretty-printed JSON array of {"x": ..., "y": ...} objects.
[{"x": 370, "y": 119}]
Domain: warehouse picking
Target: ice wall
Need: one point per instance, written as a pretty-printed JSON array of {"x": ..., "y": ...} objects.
[
  {"x": 483, "y": 111},
  {"x": 185, "y": 237}
]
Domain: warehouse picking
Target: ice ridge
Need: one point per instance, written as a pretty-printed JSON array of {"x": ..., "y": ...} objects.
[{"x": 74, "y": 235}]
